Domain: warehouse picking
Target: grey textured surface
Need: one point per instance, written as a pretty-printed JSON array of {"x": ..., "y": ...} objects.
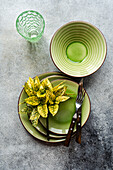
[{"x": 19, "y": 60}]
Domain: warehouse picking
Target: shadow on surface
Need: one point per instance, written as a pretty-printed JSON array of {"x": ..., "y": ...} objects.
[
  {"x": 41, "y": 46},
  {"x": 95, "y": 151}
]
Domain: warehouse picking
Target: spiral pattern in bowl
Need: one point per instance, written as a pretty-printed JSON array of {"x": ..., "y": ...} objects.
[{"x": 86, "y": 34}]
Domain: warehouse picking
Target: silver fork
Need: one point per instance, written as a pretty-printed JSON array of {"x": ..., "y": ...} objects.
[
  {"x": 78, "y": 103},
  {"x": 78, "y": 125}
]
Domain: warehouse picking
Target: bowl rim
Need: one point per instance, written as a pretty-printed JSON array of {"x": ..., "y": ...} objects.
[
  {"x": 28, "y": 38},
  {"x": 84, "y": 22}
]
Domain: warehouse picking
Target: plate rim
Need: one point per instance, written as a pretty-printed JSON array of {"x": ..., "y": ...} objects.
[
  {"x": 85, "y": 22},
  {"x": 51, "y": 137}
]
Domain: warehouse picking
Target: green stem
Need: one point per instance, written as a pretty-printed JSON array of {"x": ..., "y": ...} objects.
[{"x": 47, "y": 124}]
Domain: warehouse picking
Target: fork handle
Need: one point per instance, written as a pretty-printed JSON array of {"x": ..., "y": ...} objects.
[{"x": 70, "y": 131}]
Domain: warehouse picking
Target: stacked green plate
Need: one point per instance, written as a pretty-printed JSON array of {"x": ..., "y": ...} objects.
[
  {"x": 59, "y": 124},
  {"x": 78, "y": 49}
]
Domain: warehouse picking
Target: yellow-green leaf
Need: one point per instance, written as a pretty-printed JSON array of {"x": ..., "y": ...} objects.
[
  {"x": 51, "y": 97},
  {"x": 58, "y": 86},
  {"x": 61, "y": 91},
  {"x": 43, "y": 111},
  {"x": 28, "y": 90},
  {"x": 62, "y": 98},
  {"x": 30, "y": 82},
  {"x": 36, "y": 80},
  {"x": 21, "y": 103},
  {"x": 36, "y": 83},
  {"x": 34, "y": 115},
  {"x": 47, "y": 94},
  {"x": 53, "y": 109},
  {"x": 41, "y": 94},
  {"x": 33, "y": 100},
  {"x": 46, "y": 84},
  {"x": 26, "y": 110}
]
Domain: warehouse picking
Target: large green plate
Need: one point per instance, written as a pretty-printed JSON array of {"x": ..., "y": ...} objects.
[
  {"x": 41, "y": 128},
  {"x": 24, "y": 118},
  {"x": 60, "y": 123}
]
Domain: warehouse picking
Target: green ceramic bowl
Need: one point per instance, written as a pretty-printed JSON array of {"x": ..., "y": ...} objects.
[
  {"x": 30, "y": 25},
  {"x": 78, "y": 49}
]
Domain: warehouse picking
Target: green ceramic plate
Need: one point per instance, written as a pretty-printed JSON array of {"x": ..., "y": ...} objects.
[
  {"x": 40, "y": 127},
  {"x": 42, "y": 130},
  {"x": 25, "y": 121},
  {"x": 78, "y": 49},
  {"x": 60, "y": 123},
  {"x": 41, "y": 133}
]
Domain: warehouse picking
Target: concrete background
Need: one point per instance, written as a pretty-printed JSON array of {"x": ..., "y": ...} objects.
[{"x": 19, "y": 60}]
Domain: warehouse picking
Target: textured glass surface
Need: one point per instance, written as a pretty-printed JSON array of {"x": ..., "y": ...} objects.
[{"x": 30, "y": 25}]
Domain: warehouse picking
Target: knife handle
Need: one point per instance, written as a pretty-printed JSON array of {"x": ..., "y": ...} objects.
[
  {"x": 70, "y": 131},
  {"x": 78, "y": 127}
]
